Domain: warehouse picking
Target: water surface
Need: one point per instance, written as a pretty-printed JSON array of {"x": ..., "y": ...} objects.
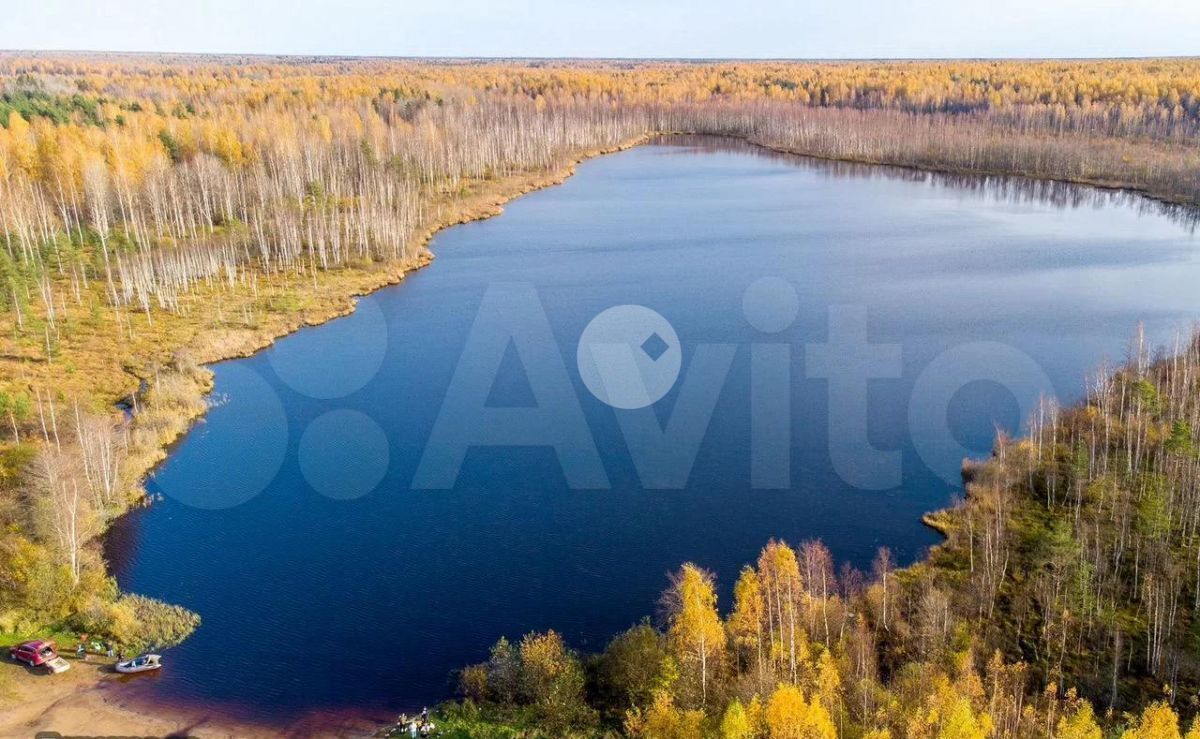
[{"x": 317, "y": 597}]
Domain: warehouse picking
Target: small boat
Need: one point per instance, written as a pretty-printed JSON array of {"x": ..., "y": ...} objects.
[{"x": 145, "y": 663}]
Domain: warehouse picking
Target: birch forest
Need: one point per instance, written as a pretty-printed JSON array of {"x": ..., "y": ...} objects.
[
  {"x": 1063, "y": 603},
  {"x": 161, "y": 212}
]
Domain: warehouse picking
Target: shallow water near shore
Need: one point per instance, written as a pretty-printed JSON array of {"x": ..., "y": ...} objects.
[{"x": 328, "y": 584}]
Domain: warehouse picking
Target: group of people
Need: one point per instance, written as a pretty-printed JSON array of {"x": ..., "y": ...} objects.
[
  {"x": 99, "y": 647},
  {"x": 416, "y": 726}
]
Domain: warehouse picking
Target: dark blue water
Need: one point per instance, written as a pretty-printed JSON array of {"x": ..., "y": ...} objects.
[{"x": 326, "y": 582}]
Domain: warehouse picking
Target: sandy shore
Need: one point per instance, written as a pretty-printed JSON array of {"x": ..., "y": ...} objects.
[
  {"x": 91, "y": 700},
  {"x": 83, "y": 701}
]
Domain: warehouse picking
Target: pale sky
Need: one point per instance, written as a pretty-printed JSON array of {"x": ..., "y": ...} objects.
[{"x": 613, "y": 28}]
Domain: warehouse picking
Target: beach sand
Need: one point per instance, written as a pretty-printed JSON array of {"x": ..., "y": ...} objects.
[{"x": 91, "y": 700}]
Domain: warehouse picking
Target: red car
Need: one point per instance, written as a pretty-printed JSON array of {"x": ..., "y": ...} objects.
[{"x": 34, "y": 653}]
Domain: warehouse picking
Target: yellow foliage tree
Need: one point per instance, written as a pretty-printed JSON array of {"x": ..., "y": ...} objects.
[
  {"x": 1081, "y": 724},
  {"x": 696, "y": 634},
  {"x": 735, "y": 724},
  {"x": 746, "y": 621},
  {"x": 1158, "y": 721},
  {"x": 829, "y": 683},
  {"x": 1194, "y": 732},
  {"x": 664, "y": 720},
  {"x": 790, "y": 716},
  {"x": 948, "y": 714}
]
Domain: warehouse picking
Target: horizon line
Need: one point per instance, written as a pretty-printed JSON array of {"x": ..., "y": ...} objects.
[{"x": 520, "y": 58}]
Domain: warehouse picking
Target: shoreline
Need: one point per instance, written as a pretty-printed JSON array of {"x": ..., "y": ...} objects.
[
  {"x": 83, "y": 704},
  {"x": 91, "y": 700},
  {"x": 86, "y": 702},
  {"x": 1164, "y": 199},
  {"x": 478, "y": 207}
]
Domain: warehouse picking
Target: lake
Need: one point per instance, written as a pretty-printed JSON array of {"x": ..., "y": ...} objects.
[{"x": 831, "y": 340}]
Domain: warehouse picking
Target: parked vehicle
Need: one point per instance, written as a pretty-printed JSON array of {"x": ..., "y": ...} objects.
[
  {"x": 34, "y": 653},
  {"x": 144, "y": 663}
]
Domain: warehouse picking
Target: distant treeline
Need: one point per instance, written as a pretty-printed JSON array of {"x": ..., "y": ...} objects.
[{"x": 151, "y": 177}]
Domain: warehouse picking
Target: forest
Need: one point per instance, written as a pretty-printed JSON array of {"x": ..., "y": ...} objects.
[
  {"x": 158, "y": 213},
  {"x": 1063, "y": 603}
]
